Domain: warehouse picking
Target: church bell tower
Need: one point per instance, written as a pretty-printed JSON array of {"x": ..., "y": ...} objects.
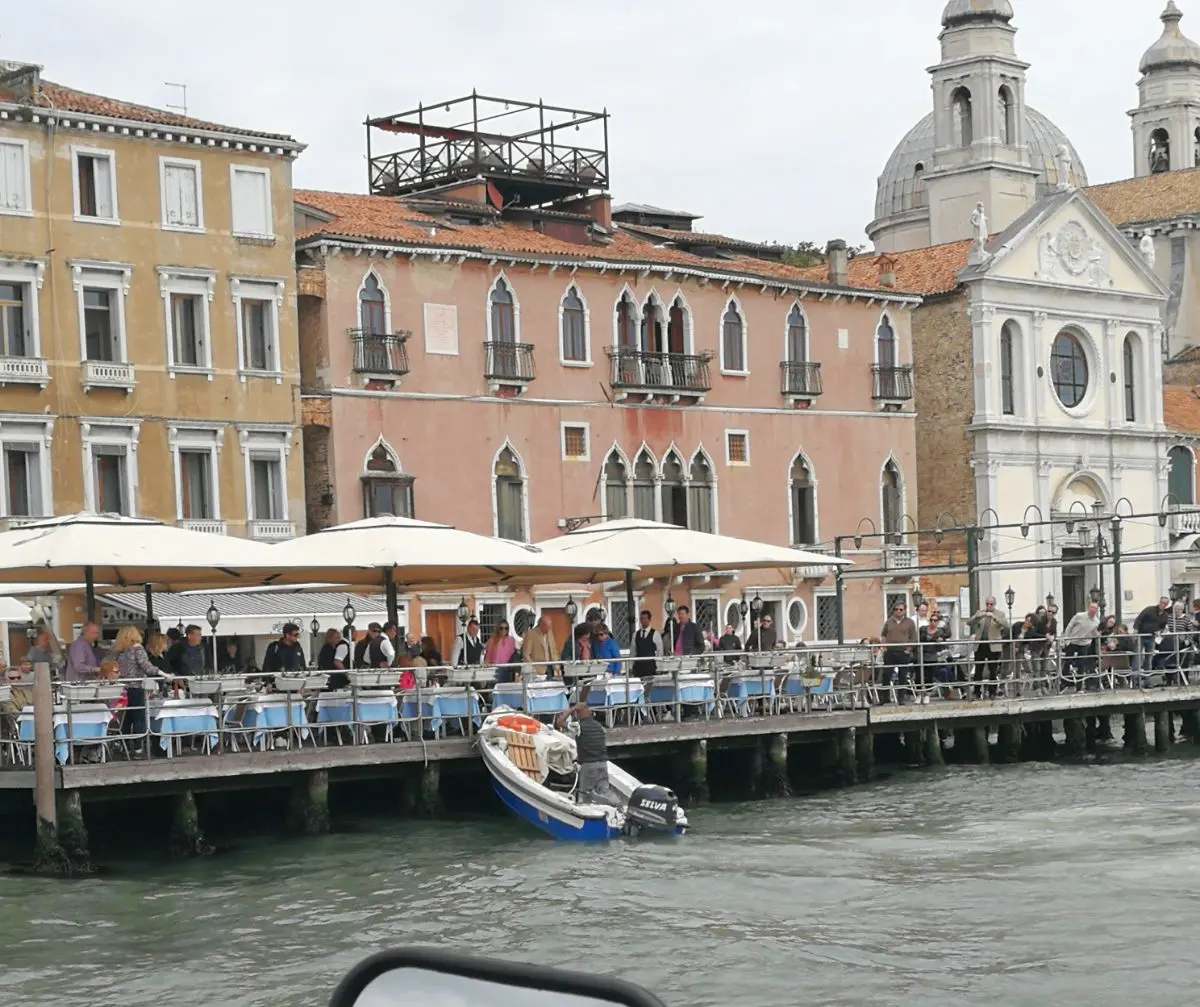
[{"x": 1166, "y": 123}]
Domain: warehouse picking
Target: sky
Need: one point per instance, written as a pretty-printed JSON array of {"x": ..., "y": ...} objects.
[{"x": 770, "y": 118}]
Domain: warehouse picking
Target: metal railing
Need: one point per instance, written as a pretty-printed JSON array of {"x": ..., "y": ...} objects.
[
  {"x": 211, "y": 715},
  {"x": 800, "y": 377},
  {"x": 892, "y": 383},
  {"x": 380, "y": 353},
  {"x": 649, "y": 371},
  {"x": 508, "y": 361}
]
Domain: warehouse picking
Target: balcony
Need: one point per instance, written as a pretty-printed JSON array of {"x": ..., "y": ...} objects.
[
  {"x": 379, "y": 354},
  {"x": 508, "y": 365},
  {"x": 800, "y": 380},
  {"x": 24, "y": 371},
  {"x": 900, "y": 559},
  {"x": 208, "y": 526},
  {"x": 1184, "y": 522},
  {"x": 107, "y": 374},
  {"x": 648, "y": 373},
  {"x": 813, "y": 572},
  {"x": 893, "y": 384},
  {"x": 270, "y": 530},
  {"x": 13, "y": 523}
]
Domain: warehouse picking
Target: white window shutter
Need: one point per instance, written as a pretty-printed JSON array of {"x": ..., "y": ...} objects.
[
  {"x": 12, "y": 177},
  {"x": 251, "y": 202},
  {"x": 189, "y": 214},
  {"x": 172, "y": 199},
  {"x": 104, "y": 187}
]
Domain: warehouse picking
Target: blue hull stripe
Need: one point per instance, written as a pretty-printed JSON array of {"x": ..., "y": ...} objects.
[{"x": 593, "y": 829}]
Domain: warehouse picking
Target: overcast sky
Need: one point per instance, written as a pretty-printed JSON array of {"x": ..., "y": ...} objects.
[{"x": 771, "y": 118}]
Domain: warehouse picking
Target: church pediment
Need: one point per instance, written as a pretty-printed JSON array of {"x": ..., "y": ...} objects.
[{"x": 1064, "y": 240}]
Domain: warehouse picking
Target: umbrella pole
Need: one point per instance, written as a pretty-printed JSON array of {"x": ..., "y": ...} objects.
[
  {"x": 633, "y": 619},
  {"x": 89, "y": 578},
  {"x": 149, "y": 592},
  {"x": 393, "y": 606}
]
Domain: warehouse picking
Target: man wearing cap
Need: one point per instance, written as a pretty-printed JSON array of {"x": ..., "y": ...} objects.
[
  {"x": 591, "y": 753},
  {"x": 284, "y": 655}
]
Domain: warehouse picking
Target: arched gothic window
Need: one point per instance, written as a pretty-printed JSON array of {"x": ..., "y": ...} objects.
[
  {"x": 1008, "y": 119},
  {"x": 1008, "y": 397},
  {"x": 574, "y": 332},
  {"x": 674, "y": 492},
  {"x": 386, "y": 490},
  {"x": 652, "y": 327},
  {"x": 960, "y": 109},
  {"x": 797, "y": 336},
  {"x": 677, "y": 327},
  {"x": 1160, "y": 152},
  {"x": 643, "y": 486},
  {"x": 893, "y": 499},
  {"x": 885, "y": 344},
  {"x": 733, "y": 340},
  {"x": 616, "y": 487},
  {"x": 1129, "y": 377},
  {"x": 804, "y": 503},
  {"x": 627, "y": 333},
  {"x": 372, "y": 307},
  {"x": 510, "y": 497},
  {"x": 504, "y": 316},
  {"x": 701, "y": 498},
  {"x": 1181, "y": 479}
]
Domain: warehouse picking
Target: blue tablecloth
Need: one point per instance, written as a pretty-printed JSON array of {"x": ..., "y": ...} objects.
[
  {"x": 88, "y": 727},
  {"x": 271, "y": 715},
  {"x": 179, "y": 724},
  {"x": 618, "y": 692},
  {"x": 436, "y": 708},
  {"x": 688, "y": 693},
  {"x": 742, "y": 689},
  {"x": 369, "y": 712},
  {"x": 537, "y": 699}
]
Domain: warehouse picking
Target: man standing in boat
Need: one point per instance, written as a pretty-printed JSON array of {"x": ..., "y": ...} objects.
[{"x": 591, "y": 752}]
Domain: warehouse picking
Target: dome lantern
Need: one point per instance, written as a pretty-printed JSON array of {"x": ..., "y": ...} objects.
[
  {"x": 962, "y": 11},
  {"x": 1173, "y": 48}
]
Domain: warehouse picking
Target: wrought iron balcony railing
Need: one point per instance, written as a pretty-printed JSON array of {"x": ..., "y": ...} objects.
[
  {"x": 650, "y": 371},
  {"x": 893, "y": 383},
  {"x": 800, "y": 377},
  {"x": 508, "y": 361},
  {"x": 380, "y": 353}
]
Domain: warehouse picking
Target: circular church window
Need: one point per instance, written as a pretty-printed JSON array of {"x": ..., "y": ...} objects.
[{"x": 1069, "y": 369}]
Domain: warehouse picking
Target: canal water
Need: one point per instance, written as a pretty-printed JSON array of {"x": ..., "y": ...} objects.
[{"x": 1028, "y": 885}]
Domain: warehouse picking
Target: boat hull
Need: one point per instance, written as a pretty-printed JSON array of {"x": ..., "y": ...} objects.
[{"x": 590, "y": 830}]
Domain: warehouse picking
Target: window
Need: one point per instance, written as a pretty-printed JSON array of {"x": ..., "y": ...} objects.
[
  {"x": 705, "y": 612},
  {"x": 264, "y": 450},
  {"x": 627, "y": 334},
  {"x": 492, "y": 613},
  {"x": 674, "y": 492},
  {"x": 15, "y": 335},
  {"x": 618, "y": 621},
  {"x": 256, "y": 304},
  {"x": 885, "y": 344},
  {"x": 1069, "y": 369},
  {"x": 196, "y": 486},
  {"x": 250, "y": 194},
  {"x": 643, "y": 487},
  {"x": 372, "y": 307},
  {"x": 110, "y": 465},
  {"x": 95, "y": 184},
  {"x": 1007, "y": 397},
  {"x": 510, "y": 497},
  {"x": 893, "y": 499},
  {"x": 187, "y": 330},
  {"x": 266, "y": 488},
  {"x": 1129, "y": 367},
  {"x": 797, "y": 617},
  {"x": 701, "y": 509},
  {"x": 893, "y": 598},
  {"x": 1181, "y": 476},
  {"x": 1160, "y": 152},
  {"x": 960, "y": 113},
  {"x": 652, "y": 327},
  {"x": 14, "y": 177},
  {"x": 22, "y": 480},
  {"x": 573, "y": 323},
  {"x": 797, "y": 336},
  {"x": 737, "y": 447},
  {"x": 677, "y": 327},
  {"x": 616, "y": 490},
  {"x": 100, "y": 324},
  {"x": 386, "y": 490},
  {"x": 733, "y": 615},
  {"x": 1008, "y": 121},
  {"x": 1196, "y": 148},
  {"x": 503, "y": 314},
  {"x": 182, "y": 206},
  {"x": 827, "y": 617},
  {"x": 918, "y": 198},
  {"x": 733, "y": 340},
  {"x": 575, "y": 442},
  {"x": 523, "y": 620},
  {"x": 803, "y": 503}
]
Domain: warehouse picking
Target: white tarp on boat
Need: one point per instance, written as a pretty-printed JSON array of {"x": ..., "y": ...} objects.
[{"x": 555, "y": 750}]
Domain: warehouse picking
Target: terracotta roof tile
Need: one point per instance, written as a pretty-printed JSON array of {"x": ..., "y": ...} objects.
[
  {"x": 926, "y": 271},
  {"x": 67, "y": 99},
  {"x": 1154, "y": 197},
  {"x": 1181, "y": 409},
  {"x": 388, "y": 219},
  {"x": 691, "y": 237}
]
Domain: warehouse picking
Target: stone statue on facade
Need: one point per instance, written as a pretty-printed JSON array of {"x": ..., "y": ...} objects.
[
  {"x": 1146, "y": 247},
  {"x": 1063, "y": 163}
]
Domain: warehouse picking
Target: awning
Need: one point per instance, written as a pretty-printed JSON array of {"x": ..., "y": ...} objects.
[
  {"x": 246, "y": 613},
  {"x": 12, "y": 610}
]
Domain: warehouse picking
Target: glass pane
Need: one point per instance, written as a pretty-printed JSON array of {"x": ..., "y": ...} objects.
[
  {"x": 110, "y": 484},
  {"x": 12, "y": 320},
  {"x": 266, "y": 489},
  {"x": 185, "y": 318},
  {"x": 98, "y": 325},
  {"x": 24, "y": 489},
  {"x": 256, "y": 335},
  {"x": 196, "y": 485}
]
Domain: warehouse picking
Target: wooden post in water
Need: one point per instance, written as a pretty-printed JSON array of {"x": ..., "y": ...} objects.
[
  {"x": 777, "y": 782},
  {"x": 1190, "y": 728},
  {"x": 933, "y": 746},
  {"x": 1076, "y": 737},
  {"x": 1163, "y": 729},
  {"x": 1008, "y": 742},
  {"x": 697, "y": 776},
  {"x": 864, "y": 752},
  {"x": 429, "y": 801},
  {"x": 187, "y": 837},
  {"x": 48, "y": 856},
  {"x": 308, "y": 810},
  {"x": 1135, "y": 733}
]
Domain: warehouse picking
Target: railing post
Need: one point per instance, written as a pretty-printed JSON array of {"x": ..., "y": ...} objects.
[{"x": 840, "y": 587}]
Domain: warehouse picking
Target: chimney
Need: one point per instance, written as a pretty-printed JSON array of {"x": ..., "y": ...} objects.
[
  {"x": 22, "y": 80},
  {"x": 887, "y": 271},
  {"x": 839, "y": 262}
]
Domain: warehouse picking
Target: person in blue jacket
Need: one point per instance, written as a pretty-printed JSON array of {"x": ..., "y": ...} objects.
[{"x": 606, "y": 646}]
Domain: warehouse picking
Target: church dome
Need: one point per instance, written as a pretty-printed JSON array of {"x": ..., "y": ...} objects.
[
  {"x": 1173, "y": 48},
  {"x": 899, "y": 190},
  {"x": 958, "y": 11}
]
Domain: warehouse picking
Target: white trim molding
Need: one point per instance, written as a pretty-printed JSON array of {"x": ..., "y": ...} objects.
[
  {"x": 115, "y": 277},
  {"x": 199, "y": 438},
  {"x": 30, "y": 431},
  {"x": 266, "y": 442},
  {"x": 199, "y": 283},
  {"x": 269, "y": 290},
  {"x": 113, "y": 436},
  {"x": 103, "y": 154}
]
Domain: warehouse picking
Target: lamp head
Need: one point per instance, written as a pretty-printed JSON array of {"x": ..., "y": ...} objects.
[
  {"x": 348, "y": 613},
  {"x": 212, "y": 615}
]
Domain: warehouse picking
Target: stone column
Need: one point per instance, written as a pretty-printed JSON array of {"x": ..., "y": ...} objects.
[
  {"x": 1076, "y": 737},
  {"x": 308, "y": 812},
  {"x": 187, "y": 838},
  {"x": 864, "y": 753},
  {"x": 933, "y": 746},
  {"x": 1135, "y": 733},
  {"x": 913, "y": 748},
  {"x": 72, "y": 833},
  {"x": 776, "y": 782},
  {"x": 1190, "y": 728},
  {"x": 1163, "y": 729},
  {"x": 429, "y": 802},
  {"x": 1008, "y": 743}
]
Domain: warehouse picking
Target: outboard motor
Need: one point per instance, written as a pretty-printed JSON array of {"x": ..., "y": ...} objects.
[{"x": 651, "y": 807}]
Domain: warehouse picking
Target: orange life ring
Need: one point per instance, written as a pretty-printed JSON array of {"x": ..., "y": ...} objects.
[{"x": 520, "y": 723}]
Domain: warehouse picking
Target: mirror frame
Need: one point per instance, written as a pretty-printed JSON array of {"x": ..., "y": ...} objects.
[{"x": 516, "y": 974}]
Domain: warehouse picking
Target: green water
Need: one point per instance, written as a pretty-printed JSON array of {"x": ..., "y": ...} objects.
[{"x": 1034, "y": 884}]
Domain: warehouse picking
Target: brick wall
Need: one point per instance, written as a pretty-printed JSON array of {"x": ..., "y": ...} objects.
[
  {"x": 318, "y": 472},
  {"x": 944, "y": 393},
  {"x": 1183, "y": 370}
]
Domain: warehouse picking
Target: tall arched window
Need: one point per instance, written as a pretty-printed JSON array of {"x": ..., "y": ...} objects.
[
  {"x": 652, "y": 327},
  {"x": 1196, "y": 148},
  {"x": 733, "y": 340},
  {"x": 701, "y": 498},
  {"x": 885, "y": 344},
  {"x": 510, "y": 497},
  {"x": 627, "y": 333},
  {"x": 1129, "y": 376},
  {"x": 1008, "y": 120},
  {"x": 677, "y": 327},
  {"x": 803, "y": 503},
  {"x": 1181, "y": 479},
  {"x": 919, "y": 184},
  {"x": 372, "y": 307},
  {"x": 893, "y": 499},
  {"x": 674, "y": 492},
  {"x": 797, "y": 336},
  {"x": 616, "y": 487},
  {"x": 1160, "y": 152},
  {"x": 574, "y": 331},
  {"x": 1008, "y": 393},
  {"x": 386, "y": 490},
  {"x": 504, "y": 317},
  {"x": 960, "y": 110},
  {"x": 643, "y": 486}
]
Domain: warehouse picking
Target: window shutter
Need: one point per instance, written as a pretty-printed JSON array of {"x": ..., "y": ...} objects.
[
  {"x": 188, "y": 204},
  {"x": 103, "y": 175},
  {"x": 250, "y": 203},
  {"x": 12, "y": 177},
  {"x": 172, "y": 199}
]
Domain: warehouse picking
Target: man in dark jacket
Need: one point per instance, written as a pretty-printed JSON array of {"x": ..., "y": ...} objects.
[
  {"x": 335, "y": 657},
  {"x": 285, "y": 655},
  {"x": 762, "y": 636},
  {"x": 688, "y": 638},
  {"x": 185, "y": 658},
  {"x": 362, "y": 657},
  {"x": 1151, "y": 621},
  {"x": 591, "y": 753}
]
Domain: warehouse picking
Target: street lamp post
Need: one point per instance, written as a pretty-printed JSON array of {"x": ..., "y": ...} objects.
[
  {"x": 743, "y": 611},
  {"x": 213, "y": 616},
  {"x": 572, "y": 610},
  {"x": 669, "y": 607},
  {"x": 756, "y": 606},
  {"x": 1009, "y": 597},
  {"x": 348, "y": 614},
  {"x": 918, "y": 600}
]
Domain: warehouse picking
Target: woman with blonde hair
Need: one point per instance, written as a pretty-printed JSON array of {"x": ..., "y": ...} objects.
[{"x": 133, "y": 663}]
